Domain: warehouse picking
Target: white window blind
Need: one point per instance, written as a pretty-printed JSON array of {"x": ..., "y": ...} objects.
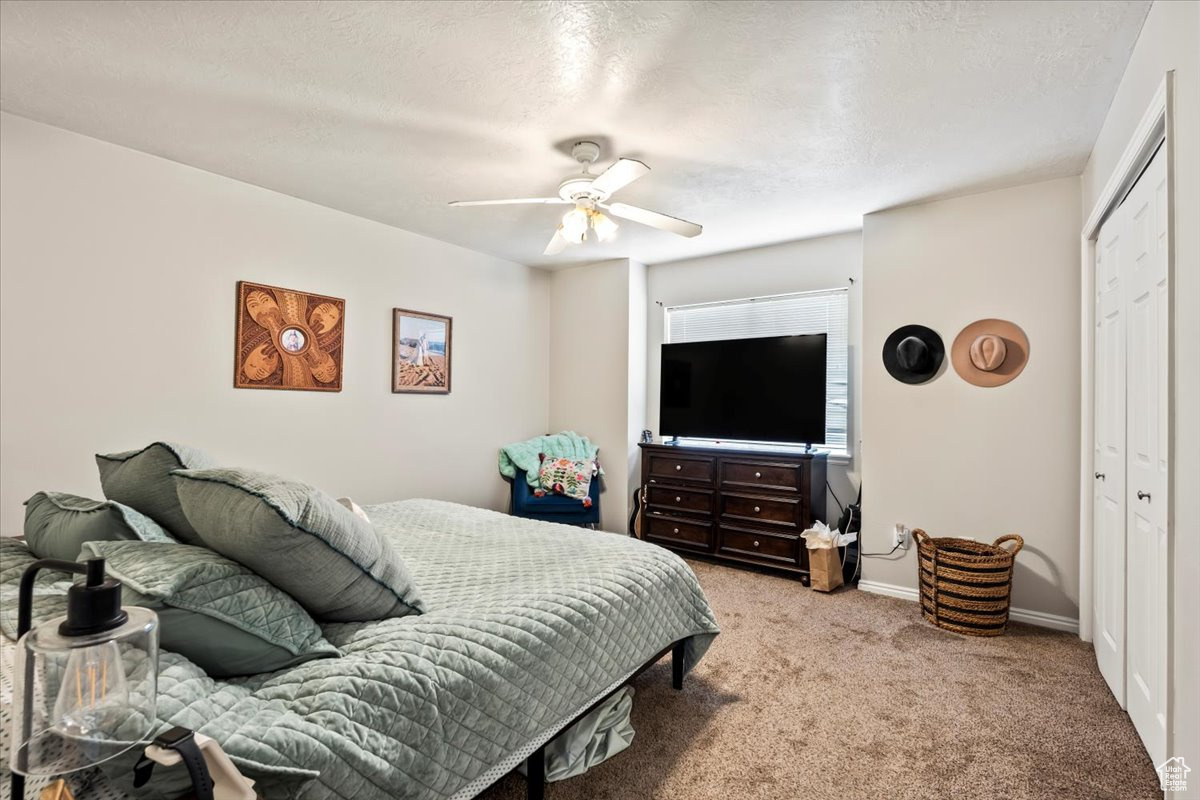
[{"x": 780, "y": 315}]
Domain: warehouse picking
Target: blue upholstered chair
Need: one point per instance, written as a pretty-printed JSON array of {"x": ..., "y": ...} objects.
[{"x": 554, "y": 507}]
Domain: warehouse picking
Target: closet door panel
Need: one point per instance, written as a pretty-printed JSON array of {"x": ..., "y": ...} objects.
[
  {"x": 1109, "y": 460},
  {"x": 1147, "y": 458}
]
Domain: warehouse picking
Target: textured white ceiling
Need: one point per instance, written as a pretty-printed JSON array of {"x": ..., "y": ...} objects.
[{"x": 762, "y": 121}]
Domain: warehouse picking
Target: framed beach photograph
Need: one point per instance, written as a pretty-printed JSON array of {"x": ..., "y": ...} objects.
[{"x": 420, "y": 352}]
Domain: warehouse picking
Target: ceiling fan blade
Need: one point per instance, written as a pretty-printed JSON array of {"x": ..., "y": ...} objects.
[
  {"x": 655, "y": 219},
  {"x": 513, "y": 201},
  {"x": 556, "y": 246},
  {"x": 619, "y": 175}
]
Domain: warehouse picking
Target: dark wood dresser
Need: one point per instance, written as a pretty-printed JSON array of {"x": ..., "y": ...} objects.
[{"x": 745, "y": 507}]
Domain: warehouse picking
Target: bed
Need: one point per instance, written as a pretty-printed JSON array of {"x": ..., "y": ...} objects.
[{"x": 529, "y": 625}]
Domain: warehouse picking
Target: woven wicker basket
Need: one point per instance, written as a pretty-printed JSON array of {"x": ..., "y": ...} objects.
[{"x": 965, "y": 585}]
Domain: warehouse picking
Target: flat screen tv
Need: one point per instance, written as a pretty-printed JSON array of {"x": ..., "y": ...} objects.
[{"x": 770, "y": 389}]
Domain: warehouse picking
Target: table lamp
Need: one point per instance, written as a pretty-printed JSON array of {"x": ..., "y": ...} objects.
[{"x": 86, "y": 683}]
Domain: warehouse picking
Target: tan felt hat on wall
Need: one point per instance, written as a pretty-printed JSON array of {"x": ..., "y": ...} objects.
[{"x": 990, "y": 352}]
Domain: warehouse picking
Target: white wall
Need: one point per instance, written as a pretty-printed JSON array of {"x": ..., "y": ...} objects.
[
  {"x": 1170, "y": 40},
  {"x": 117, "y": 276},
  {"x": 592, "y": 324},
  {"x": 957, "y": 459},
  {"x": 827, "y": 262}
]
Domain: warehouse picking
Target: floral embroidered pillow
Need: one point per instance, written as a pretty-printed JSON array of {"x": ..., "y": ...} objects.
[{"x": 566, "y": 477}]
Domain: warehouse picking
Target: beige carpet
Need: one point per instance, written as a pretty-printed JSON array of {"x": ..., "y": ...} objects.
[{"x": 851, "y": 695}]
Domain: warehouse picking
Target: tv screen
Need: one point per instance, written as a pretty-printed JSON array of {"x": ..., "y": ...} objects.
[{"x": 770, "y": 389}]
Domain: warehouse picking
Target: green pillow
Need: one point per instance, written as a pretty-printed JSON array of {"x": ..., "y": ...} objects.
[
  {"x": 300, "y": 539},
  {"x": 57, "y": 524},
  {"x": 218, "y": 614},
  {"x": 142, "y": 479}
]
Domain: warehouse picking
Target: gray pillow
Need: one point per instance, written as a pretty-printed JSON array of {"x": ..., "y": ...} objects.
[
  {"x": 57, "y": 524},
  {"x": 218, "y": 614},
  {"x": 300, "y": 539},
  {"x": 142, "y": 479}
]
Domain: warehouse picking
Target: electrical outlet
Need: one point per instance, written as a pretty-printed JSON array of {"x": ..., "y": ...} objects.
[{"x": 901, "y": 536}]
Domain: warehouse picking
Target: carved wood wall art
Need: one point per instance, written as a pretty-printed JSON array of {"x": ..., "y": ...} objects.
[{"x": 288, "y": 339}]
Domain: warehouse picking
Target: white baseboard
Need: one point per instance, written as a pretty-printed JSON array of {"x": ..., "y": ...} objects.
[
  {"x": 1040, "y": 618},
  {"x": 891, "y": 590}
]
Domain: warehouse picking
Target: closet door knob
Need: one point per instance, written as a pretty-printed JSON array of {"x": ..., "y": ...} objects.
[
  {"x": 757, "y": 509},
  {"x": 1143, "y": 495},
  {"x": 1099, "y": 476}
]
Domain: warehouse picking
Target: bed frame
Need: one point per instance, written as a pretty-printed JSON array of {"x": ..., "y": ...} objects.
[{"x": 535, "y": 769}]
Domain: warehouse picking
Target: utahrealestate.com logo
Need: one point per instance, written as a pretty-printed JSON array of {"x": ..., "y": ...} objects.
[{"x": 1172, "y": 774}]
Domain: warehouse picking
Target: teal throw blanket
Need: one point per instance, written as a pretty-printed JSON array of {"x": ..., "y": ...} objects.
[{"x": 524, "y": 455}]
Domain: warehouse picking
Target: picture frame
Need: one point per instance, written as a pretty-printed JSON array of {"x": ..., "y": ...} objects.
[
  {"x": 288, "y": 339},
  {"x": 422, "y": 352}
]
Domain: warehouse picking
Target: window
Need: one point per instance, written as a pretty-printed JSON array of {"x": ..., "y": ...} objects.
[{"x": 780, "y": 315}]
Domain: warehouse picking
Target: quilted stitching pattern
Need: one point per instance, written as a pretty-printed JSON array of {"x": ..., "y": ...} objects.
[
  {"x": 49, "y": 592},
  {"x": 528, "y": 623},
  {"x": 199, "y": 580}
]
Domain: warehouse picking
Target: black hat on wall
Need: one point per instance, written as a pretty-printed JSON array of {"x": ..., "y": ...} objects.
[{"x": 913, "y": 353}]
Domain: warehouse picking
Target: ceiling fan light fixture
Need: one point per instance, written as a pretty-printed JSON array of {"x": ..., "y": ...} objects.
[{"x": 589, "y": 193}]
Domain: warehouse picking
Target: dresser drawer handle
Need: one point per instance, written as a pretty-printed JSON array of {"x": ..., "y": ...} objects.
[
  {"x": 756, "y": 543},
  {"x": 676, "y": 530},
  {"x": 758, "y": 474},
  {"x": 757, "y": 509},
  {"x": 678, "y": 467},
  {"x": 678, "y": 499}
]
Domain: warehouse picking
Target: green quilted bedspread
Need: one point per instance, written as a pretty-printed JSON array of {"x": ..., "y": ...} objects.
[{"x": 528, "y": 623}]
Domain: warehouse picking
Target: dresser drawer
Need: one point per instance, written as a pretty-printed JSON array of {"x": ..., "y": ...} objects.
[
  {"x": 783, "y": 511},
  {"x": 665, "y": 497},
  {"x": 764, "y": 546},
  {"x": 671, "y": 467},
  {"x": 677, "y": 532},
  {"x": 773, "y": 475}
]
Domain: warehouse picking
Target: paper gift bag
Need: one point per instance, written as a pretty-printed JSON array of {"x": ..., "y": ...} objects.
[{"x": 824, "y": 568}]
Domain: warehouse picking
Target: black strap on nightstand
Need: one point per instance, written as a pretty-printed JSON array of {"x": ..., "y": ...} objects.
[{"x": 182, "y": 741}]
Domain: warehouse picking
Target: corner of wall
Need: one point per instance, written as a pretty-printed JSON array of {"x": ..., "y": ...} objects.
[
  {"x": 592, "y": 385},
  {"x": 639, "y": 318}
]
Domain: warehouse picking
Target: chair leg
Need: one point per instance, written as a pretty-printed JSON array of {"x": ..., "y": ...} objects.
[
  {"x": 677, "y": 665},
  {"x": 535, "y": 774}
]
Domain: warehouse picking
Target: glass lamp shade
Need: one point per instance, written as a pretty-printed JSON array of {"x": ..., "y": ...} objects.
[
  {"x": 605, "y": 228},
  {"x": 81, "y": 700},
  {"x": 574, "y": 226}
]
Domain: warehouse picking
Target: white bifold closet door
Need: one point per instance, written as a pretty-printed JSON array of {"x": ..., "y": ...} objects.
[
  {"x": 1147, "y": 458},
  {"x": 1109, "y": 484},
  {"x": 1131, "y": 546}
]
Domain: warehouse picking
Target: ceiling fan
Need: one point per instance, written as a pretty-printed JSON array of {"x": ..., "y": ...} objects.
[{"x": 589, "y": 194}]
